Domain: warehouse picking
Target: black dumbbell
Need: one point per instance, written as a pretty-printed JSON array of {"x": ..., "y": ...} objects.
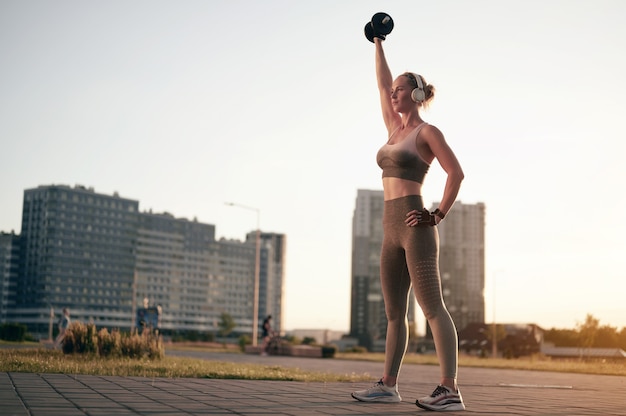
[{"x": 379, "y": 27}]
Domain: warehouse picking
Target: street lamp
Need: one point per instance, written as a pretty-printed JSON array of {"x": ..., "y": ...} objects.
[
  {"x": 494, "y": 332},
  {"x": 257, "y": 270}
]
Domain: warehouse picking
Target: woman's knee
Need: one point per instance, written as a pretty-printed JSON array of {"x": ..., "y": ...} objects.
[
  {"x": 432, "y": 310},
  {"x": 395, "y": 312}
]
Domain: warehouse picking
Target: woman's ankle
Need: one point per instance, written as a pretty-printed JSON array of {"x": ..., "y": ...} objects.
[
  {"x": 450, "y": 383},
  {"x": 389, "y": 381}
]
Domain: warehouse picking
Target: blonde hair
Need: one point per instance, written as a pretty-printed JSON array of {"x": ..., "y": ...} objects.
[{"x": 429, "y": 90}]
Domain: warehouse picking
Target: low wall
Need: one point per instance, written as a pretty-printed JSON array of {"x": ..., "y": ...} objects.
[{"x": 289, "y": 350}]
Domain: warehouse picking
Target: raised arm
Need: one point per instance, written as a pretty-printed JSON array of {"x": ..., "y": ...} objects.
[{"x": 385, "y": 81}]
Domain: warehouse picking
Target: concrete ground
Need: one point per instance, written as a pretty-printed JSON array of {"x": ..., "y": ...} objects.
[{"x": 485, "y": 391}]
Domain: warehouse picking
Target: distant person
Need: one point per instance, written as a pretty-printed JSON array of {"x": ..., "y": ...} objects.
[
  {"x": 63, "y": 323},
  {"x": 410, "y": 248},
  {"x": 266, "y": 334}
]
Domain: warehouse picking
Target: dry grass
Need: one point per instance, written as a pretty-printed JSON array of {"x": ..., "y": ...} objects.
[
  {"x": 50, "y": 361},
  {"x": 535, "y": 363},
  {"x": 38, "y": 360},
  {"x": 202, "y": 346}
]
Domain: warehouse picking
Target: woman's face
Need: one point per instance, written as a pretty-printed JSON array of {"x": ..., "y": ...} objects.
[{"x": 401, "y": 95}]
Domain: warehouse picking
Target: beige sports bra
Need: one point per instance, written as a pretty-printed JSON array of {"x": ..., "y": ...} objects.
[{"x": 401, "y": 160}]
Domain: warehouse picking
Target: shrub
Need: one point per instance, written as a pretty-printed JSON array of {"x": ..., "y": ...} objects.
[
  {"x": 147, "y": 344},
  {"x": 193, "y": 336},
  {"x": 130, "y": 346},
  {"x": 292, "y": 339},
  {"x": 328, "y": 351},
  {"x": 109, "y": 344},
  {"x": 308, "y": 341},
  {"x": 80, "y": 338},
  {"x": 13, "y": 332},
  {"x": 152, "y": 345},
  {"x": 243, "y": 341},
  {"x": 83, "y": 339}
]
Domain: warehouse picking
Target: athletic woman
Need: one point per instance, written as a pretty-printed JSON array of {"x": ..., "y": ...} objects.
[{"x": 410, "y": 249}]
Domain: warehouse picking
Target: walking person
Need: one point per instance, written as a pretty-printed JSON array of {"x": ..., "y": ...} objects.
[
  {"x": 410, "y": 248},
  {"x": 267, "y": 334},
  {"x": 63, "y": 323}
]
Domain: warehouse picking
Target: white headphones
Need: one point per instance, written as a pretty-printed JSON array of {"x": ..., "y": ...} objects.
[{"x": 418, "y": 95}]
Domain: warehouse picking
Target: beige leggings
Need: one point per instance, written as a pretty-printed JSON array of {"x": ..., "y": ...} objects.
[{"x": 410, "y": 255}]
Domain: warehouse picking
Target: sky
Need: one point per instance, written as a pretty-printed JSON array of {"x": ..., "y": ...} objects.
[{"x": 186, "y": 105}]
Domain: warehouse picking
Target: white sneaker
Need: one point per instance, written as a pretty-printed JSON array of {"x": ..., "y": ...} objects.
[
  {"x": 379, "y": 393},
  {"x": 442, "y": 399}
]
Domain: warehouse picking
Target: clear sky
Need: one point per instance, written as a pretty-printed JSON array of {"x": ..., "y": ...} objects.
[{"x": 186, "y": 105}]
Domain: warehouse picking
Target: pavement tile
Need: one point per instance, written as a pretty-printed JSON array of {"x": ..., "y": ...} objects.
[{"x": 486, "y": 392}]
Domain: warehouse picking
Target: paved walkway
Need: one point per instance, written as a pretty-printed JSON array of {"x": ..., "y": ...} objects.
[{"x": 486, "y": 392}]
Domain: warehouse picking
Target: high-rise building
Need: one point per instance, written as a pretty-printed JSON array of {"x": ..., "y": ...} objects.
[
  {"x": 368, "y": 322},
  {"x": 9, "y": 257},
  {"x": 174, "y": 271},
  {"x": 461, "y": 266},
  {"x": 367, "y": 309},
  {"x": 99, "y": 256},
  {"x": 271, "y": 278},
  {"x": 77, "y": 251},
  {"x": 233, "y": 281},
  {"x": 462, "y": 262}
]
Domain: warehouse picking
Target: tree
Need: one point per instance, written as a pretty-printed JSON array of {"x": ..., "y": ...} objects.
[
  {"x": 226, "y": 324},
  {"x": 607, "y": 337},
  {"x": 308, "y": 341},
  {"x": 621, "y": 338},
  {"x": 562, "y": 337},
  {"x": 500, "y": 335},
  {"x": 588, "y": 331}
]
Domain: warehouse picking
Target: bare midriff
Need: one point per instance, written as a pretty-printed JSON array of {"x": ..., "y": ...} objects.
[{"x": 397, "y": 188}]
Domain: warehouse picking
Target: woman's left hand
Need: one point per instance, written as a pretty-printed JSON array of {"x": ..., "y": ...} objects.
[{"x": 412, "y": 218}]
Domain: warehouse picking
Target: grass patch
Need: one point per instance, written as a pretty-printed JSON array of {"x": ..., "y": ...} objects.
[
  {"x": 38, "y": 360},
  {"x": 203, "y": 347},
  {"x": 534, "y": 363},
  {"x": 33, "y": 344},
  {"x": 50, "y": 361}
]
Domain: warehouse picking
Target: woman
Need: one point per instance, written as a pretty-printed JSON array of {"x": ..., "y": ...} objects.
[{"x": 410, "y": 249}]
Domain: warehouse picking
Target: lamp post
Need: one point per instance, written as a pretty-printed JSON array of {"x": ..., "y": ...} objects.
[
  {"x": 257, "y": 270},
  {"x": 494, "y": 332},
  {"x": 51, "y": 324},
  {"x": 133, "y": 303}
]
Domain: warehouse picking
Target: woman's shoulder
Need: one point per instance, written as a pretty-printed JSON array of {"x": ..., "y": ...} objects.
[{"x": 431, "y": 131}]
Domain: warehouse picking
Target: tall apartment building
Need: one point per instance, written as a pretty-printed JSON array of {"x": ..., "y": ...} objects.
[
  {"x": 9, "y": 258},
  {"x": 102, "y": 258},
  {"x": 461, "y": 264},
  {"x": 233, "y": 281},
  {"x": 77, "y": 251},
  {"x": 194, "y": 279},
  {"x": 271, "y": 277},
  {"x": 368, "y": 322},
  {"x": 174, "y": 269},
  {"x": 237, "y": 260},
  {"x": 367, "y": 309}
]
